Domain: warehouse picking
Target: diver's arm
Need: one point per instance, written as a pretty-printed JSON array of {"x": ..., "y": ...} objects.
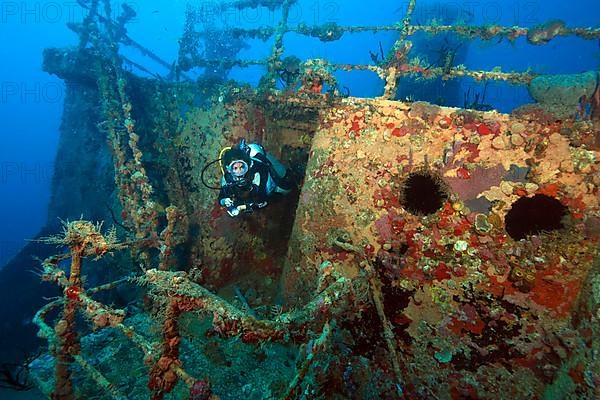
[{"x": 225, "y": 199}]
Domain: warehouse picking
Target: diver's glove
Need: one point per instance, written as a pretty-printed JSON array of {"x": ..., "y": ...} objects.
[
  {"x": 227, "y": 202},
  {"x": 233, "y": 211}
]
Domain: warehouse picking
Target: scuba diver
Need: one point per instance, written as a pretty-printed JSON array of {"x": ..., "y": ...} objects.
[{"x": 250, "y": 177}]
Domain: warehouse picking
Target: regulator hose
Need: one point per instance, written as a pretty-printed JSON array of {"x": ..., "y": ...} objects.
[{"x": 202, "y": 174}]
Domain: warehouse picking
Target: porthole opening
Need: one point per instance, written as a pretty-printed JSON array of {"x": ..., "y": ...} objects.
[{"x": 533, "y": 215}]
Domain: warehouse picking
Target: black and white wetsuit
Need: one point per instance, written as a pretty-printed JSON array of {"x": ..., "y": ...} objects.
[{"x": 266, "y": 176}]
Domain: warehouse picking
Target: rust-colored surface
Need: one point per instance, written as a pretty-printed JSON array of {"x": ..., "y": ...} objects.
[
  {"x": 471, "y": 306},
  {"x": 472, "y": 309}
]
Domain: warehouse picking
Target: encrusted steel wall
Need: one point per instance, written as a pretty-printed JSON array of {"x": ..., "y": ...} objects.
[
  {"x": 476, "y": 313},
  {"x": 218, "y": 248}
]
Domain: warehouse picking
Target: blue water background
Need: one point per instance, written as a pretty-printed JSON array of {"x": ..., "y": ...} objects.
[{"x": 31, "y": 100}]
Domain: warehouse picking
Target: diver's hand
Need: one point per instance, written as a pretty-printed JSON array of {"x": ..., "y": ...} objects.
[
  {"x": 227, "y": 202},
  {"x": 233, "y": 211}
]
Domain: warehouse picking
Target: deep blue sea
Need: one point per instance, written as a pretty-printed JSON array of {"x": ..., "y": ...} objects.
[{"x": 31, "y": 100}]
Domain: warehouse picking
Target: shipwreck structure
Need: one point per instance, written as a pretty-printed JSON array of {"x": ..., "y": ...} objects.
[{"x": 428, "y": 252}]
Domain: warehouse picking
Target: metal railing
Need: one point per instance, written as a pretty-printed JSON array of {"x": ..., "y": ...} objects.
[{"x": 397, "y": 62}]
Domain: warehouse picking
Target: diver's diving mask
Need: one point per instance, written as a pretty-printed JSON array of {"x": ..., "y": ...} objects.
[{"x": 237, "y": 168}]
